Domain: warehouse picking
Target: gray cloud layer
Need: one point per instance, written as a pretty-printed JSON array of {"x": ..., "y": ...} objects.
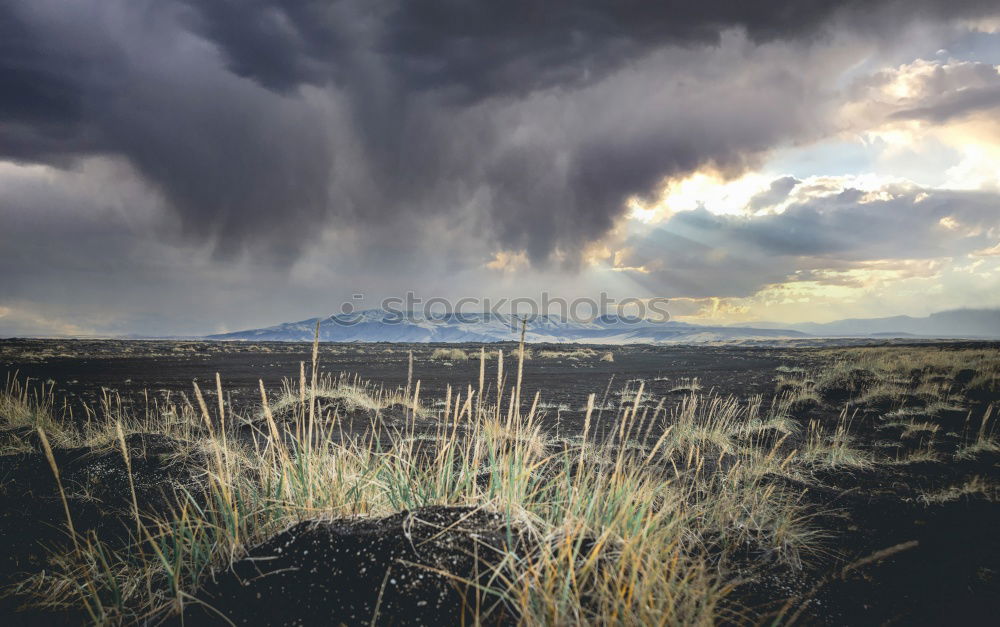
[
  {"x": 700, "y": 254},
  {"x": 260, "y": 123}
]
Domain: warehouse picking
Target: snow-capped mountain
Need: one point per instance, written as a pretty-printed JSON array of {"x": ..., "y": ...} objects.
[{"x": 377, "y": 325}]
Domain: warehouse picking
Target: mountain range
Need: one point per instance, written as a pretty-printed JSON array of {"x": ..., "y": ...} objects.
[
  {"x": 955, "y": 323},
  {"x": 376, "y": 325}
]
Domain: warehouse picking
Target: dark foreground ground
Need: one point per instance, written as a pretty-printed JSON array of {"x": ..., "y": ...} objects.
[{"x": 913, "y": 538}]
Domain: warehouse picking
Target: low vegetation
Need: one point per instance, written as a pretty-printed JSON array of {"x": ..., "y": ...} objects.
[
  {"x": 449, "y": 354},
  {"x": 576, "y": 353},
  {"x": 659, "y": 511}
]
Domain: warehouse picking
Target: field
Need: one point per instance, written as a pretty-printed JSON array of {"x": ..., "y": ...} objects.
[{"x": 211, "y": 483}]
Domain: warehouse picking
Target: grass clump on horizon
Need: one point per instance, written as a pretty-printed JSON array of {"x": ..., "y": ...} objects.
[
  {"x": 576, "y": 353},
  {"x": 449, "y": 354}
]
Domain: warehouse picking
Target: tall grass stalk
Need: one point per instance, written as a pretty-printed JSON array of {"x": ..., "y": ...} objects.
[
  {"x": 131, "y": 480},
  {"x": 62, "y": 493}
]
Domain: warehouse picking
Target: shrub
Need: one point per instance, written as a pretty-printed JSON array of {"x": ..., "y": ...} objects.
[{"x": 449, "y": 354}]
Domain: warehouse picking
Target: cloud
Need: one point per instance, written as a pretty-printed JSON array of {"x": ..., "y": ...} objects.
[
  {"x": 173, "y": 165},
  {"x": 828, "y": 238},
  {"x": 937, "y": 91},
  {"x": 992, "y": 251},
  {"x": 476, "y": 50},
  {"x": 972, "y": 100},
  {"x": 260, "y": 124},
  {"x": 774, "y": 195},
  {"x": 22, "y": 322},
  {"x": 237, "y": 164}
]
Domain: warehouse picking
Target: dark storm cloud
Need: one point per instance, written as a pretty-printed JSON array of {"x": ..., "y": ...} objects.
[
  {"x": 484, "y": 48},
  {"x": 280, "y": 44},
  {"x": 260, "y": 122},
  {"x": 238, "y": 164}
]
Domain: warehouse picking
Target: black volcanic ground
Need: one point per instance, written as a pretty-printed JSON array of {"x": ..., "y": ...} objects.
[{"x": 947, "y": 571}]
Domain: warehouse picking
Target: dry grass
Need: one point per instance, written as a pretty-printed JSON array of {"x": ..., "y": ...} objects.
[
  {"x": 985, "y": 439},
  {"x": 834, "y": 448},
  {"x": 900, "y": 382},
  {"x": 338, "y": 394},
  {"x": 449, "y": 354},
  {"x": 581, "y": 504},
  {"x": 686, "y": 386},
  {"x": 918, "y": 456},
  {"x": 577, "y": 353},
  {"x": 974, "y": 486},
  {"x": 790, "y": 369},
  {"x": 25, "y": 405},
  {"x": 25, "y": 408},
  {"x": 930, "y": 372},
  {"x": 638, "y": 521}
]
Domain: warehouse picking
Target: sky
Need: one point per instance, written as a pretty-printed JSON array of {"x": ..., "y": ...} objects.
[{"x": 178, "y": 167}]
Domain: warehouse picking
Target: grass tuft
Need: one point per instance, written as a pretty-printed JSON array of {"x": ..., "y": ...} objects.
[{"x": 449, "y": 354}]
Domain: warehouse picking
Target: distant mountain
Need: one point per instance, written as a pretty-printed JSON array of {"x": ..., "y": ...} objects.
[
  {"x": 955, "y": 323},
  {"x": 376, "y": 325}
]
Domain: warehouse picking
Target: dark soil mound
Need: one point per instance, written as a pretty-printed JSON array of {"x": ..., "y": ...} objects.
[
  {"x": 963, "y": 377},
  {"x": 847, "y": 385},
  {"x": 945, "y": 571},
  {"x": 896, "y": 559},
  {"x": 97, "y": 487},
  {"x": 429, "y": 566}
]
